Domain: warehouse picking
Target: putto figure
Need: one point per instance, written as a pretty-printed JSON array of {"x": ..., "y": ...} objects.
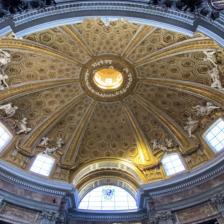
[
  {"x": 210, "y": 56},
  {"x": 50, "y": 150},
  {"x": 60, "y": 143},
  {"x": 9, "y": 109},
  {"x": 190, "y": 126},
  {"x": 204, "y": 110},
  {"x": 22, "y": 125},
  {"x": 44, "y": 141},
  {"x": 5, "y": 58},
  {"x": 216, "y": 83}
]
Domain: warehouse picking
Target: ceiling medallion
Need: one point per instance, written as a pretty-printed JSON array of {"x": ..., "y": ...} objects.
[{"x": 108, "y": 78}]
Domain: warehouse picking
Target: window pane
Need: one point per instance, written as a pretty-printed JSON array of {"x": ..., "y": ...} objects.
[
  {"x": 214, "y": 136},
  {"x": 108, "y": 198},
  {"x": 5, "y": 136},
  {"x": 42, "y": 164},
  {"x": 172, "y": 164}
]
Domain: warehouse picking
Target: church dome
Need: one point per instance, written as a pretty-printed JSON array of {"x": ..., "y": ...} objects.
[{"x": 112, "y": 99}]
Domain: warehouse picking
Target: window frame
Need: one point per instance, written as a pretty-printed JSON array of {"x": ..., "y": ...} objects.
[
  {"x": 39, "y": 174},
  {"x": 181, "y": 159},
  {"x": 211, "y": 148},
  {"x": 7, "y": 130},
  {"x": 116, "y": 207}
]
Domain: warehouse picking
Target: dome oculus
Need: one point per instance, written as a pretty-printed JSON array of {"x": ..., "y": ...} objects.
[{"x": 108, "y": 78}]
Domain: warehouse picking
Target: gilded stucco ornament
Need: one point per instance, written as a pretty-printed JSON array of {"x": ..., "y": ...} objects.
[{"x": 108, "y": 62}]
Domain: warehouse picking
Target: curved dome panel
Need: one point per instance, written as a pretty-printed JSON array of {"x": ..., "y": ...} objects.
[{"x": 170, "y": 93}]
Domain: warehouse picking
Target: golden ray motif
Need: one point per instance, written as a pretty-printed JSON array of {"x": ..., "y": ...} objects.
[
  {"x": 26, "y": 45},
  {"x": 197, "y": 89},
  {"x": 33, "y": 87},
  {"x": 41, "y": 129},
  {"x": 146, "y": 158},
  {"x": 186, "y": 46},
  {"x": 74, "y": 144},
  {"x": 185, "y": 143},
  {"x": 74, "y": 34},
  {"x": 141, "y": 34}
]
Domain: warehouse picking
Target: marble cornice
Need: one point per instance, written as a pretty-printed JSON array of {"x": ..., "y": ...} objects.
[
  {"x": 186, "y": 180},
  {"x": 33, "y": 182},
  {"x": 106, "y": 217},
  {"x": 24, "y": 202}
]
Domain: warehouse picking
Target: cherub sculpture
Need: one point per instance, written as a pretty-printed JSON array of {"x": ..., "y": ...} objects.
[
  {"x": 164, "y": 147},
  {"x": 190, "y": 126},
  {"x": 22, "y": 125},
  {"x": 155, "y": 144},
  {"x": 5, "y": 58},
  {"x": 204, "y": 110},
  {"x": 216, "y": 83},
  {"x": 60, "y": 143},
  {"x": 3, "y": 83},
  {"x": 9, "y": 109},
  {"x": 210, "y": 56},
  {"x": 50, "y": 150},
  {"x": 44, "y": 142}
]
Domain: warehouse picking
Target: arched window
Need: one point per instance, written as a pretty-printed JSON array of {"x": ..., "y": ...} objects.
[
  {"x": 5, "y": 136},
  {"x": 214, "y": 136},
  {"x": 172, "y": 164},
  {"x": 108, "y": 198},
  {"x": 43, "y": 164}
]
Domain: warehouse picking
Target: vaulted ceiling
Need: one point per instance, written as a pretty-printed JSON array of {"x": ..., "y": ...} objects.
[{"x": 172, "y": 76}]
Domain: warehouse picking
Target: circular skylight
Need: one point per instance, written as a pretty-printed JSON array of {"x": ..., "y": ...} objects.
[{"x": 108, "y": 78}]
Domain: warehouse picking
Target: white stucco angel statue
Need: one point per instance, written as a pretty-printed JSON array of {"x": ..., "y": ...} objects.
[
  {"x": 155, "y": 144},
  {"x": 44, "y": 141},
  {"x": 50, "y": 150},
  {"x": 210, "y": 56},
  {"x": 22, "y": 125},
  {"x": 190, "y": 126},
  {"x": 9, "y": 109},
  {"x": 3, "y": 81},
  {"x": 60, "y": 143},
  {"x": 216, "y": 83},
  {"x": 5, "y": 58},
  {"x": 204, "y": 110}
]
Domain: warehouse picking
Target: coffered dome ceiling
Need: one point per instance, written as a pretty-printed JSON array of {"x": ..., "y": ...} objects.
[{"x": 112, "y": 92}]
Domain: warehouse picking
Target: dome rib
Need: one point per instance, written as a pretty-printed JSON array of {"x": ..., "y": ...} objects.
[
  {"x": 167, "y": 122},
  {"x": 199, "y": 90},
  {"x": 48, "y": 123},
  {"x": 144, "y": 149},
  {"x": 73, "y": 33},
  {"x": 183, "y": 47},
  {"x": 38, "y": 48},
  {"x": 20, "y": 90},
  {"x": 142, "y": 33},
  {"x": 72, "y": 149}
]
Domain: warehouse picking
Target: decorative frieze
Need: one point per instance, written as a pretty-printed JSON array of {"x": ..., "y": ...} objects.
[{"x": 218, "y": 203}]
